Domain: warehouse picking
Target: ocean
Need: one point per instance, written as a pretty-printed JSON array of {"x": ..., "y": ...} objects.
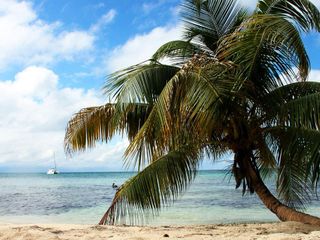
[{"x": 82, "y": 198}]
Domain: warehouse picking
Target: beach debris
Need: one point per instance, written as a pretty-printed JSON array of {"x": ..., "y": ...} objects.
[{"x": 165, "y": 235}]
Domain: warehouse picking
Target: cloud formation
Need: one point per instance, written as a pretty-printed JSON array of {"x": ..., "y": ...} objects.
[
  {"x": 26, "y": 39},
  {"x": 314, "y": 75},
  {"x": 34, "y": 112},
  {"x": 34, "y": 105},
  {"x": 141, "y": 47},
  {"x": 104, "y": 20}
]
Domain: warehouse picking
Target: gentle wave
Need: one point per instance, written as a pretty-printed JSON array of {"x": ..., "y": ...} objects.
[{"x": 83, "y": 198}]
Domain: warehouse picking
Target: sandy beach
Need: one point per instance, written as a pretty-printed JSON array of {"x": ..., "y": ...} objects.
[{"x": 283, "y": 231}]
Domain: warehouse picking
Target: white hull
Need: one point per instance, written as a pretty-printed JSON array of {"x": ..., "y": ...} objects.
[{"x": 52, "y": 171}]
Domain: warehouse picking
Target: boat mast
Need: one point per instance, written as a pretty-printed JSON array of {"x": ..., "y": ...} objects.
[{"x": 54, "y": 159}]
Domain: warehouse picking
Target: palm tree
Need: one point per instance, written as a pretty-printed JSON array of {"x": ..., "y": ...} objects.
[{"x": 235, "y": 83}]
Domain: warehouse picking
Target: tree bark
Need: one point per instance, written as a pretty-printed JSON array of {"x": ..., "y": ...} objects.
[{"x": 283, "y": 212}]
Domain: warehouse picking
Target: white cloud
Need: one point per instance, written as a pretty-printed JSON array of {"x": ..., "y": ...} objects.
[
  {"x": 104, "y": 20},
  {"x": 251, "y": 4},
  {"x": 34, "y": 112},
  {"x": 141, "y": 47},
  {"x": 33, "y": 82},
  {"x": 102, "y": 158},
  {"x": 72, "y": 42},
  {"x": 34, "y": 108},
  {"x": 26, "y": 39},
  {"x": 314, "y": 75}
]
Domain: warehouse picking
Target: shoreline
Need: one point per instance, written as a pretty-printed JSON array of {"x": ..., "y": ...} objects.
[{"x": 278, "y": 230}]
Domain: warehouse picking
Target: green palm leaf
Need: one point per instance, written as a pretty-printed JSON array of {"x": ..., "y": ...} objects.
[
  {"x": 265, "y": 157},
  {"x": 296, "y": 105},
  {"x": 210, "y": 20},
  {"x": 302, "y": 112},
  {"x": 163, "y": 129},
  {"x": 292, "y": 91},
  {"x": 267, "y": 48},
  {"x": 189, "y": 101},
  {"x": 298, "y": 154},
  {"x": 157, "y": 184},
  {"x": 302, "y": 12},
  {"x": 140, "y": 83},
  {"x": 148, "y": 143},
  {"x": 177, "y": 51}
]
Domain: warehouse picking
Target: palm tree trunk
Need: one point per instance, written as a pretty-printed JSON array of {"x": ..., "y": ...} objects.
[{"x": 283, "y": 212}]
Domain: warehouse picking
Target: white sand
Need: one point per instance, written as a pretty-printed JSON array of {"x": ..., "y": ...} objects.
[{"x": 283, "y": 231}]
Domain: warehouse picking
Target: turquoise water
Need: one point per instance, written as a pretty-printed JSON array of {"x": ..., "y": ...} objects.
[{"x": 82, "y": 198}]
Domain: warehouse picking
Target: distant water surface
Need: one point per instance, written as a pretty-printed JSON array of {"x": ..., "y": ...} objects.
[{"x": 82, "y": 198}]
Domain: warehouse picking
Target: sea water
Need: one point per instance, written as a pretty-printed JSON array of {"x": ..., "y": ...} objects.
[{"x": 82, "y": 198}]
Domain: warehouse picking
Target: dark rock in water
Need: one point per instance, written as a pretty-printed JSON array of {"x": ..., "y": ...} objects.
[{"x": 166, "y": 235}]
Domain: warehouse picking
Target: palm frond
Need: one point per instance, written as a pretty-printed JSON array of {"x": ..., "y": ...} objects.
[
  {"x": 140, "y": 83},
  {"x": 302, "y": 112},
  {"x": 163, "y": 129},
  {"x": 267, "y": 49},
  {"x": 302, "y": 12},
  {"x": 296, "y": 105},
  {"x": 292, "y": 91},
  {"x": 100, "y": 124},
  {"x": 132, "y": 118},
  {"x": 265, "y": 157},
  {"x": 177, "y": 51},
  {"x": 298, "y": 159},
  {"x": 88, "y": 126},
  {"x": 210, "y": 20},
  {"x": 209, "y": 95},
  {"x": 156, "y": 185},
  {"x": 187, "y": 106},
  {"x": 148, "y": 143}
]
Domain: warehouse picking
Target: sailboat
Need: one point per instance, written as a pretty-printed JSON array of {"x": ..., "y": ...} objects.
[{"x": 53, "y": 170}]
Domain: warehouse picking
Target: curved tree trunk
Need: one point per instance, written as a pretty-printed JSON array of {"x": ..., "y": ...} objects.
[{"x": 283, "y": 212}]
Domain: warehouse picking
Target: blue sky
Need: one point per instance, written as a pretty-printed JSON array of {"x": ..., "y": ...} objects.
[{"x": 54, "y": 57}]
